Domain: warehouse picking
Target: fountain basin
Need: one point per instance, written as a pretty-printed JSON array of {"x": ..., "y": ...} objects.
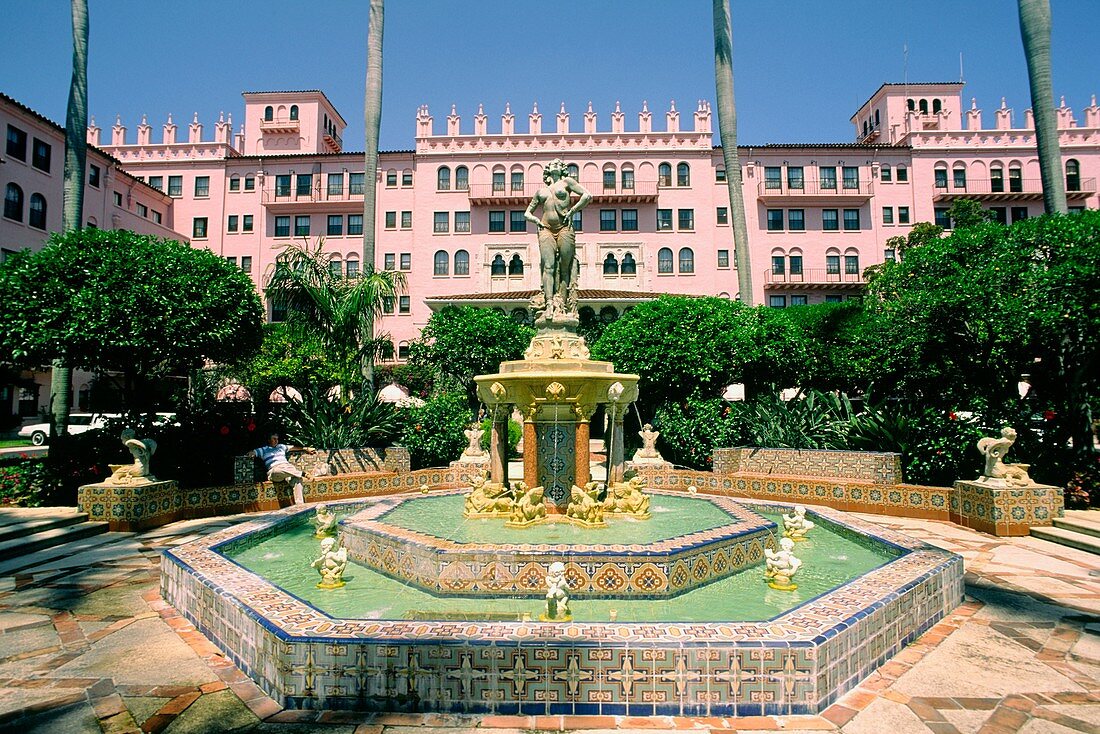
[{"x": 797, "y": 662}]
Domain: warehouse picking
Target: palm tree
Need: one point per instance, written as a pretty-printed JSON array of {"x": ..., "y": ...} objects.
[
  {"x": 72, "y": 217},
  {"x": 372, "y": 118},
  {"x": 339, "y": 312},
  {"x": 1035, "y": 31},
  {"x": 727, "y": 133}
]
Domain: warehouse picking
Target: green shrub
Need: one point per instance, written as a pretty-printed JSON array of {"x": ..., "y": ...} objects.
[
  {"x": 433, "y": 432},
  {"x": 515, "y": 433},
  {"x": 816, "y": 420},
  {"x": 324, "y": 423},
  {"x": 690, "y": 431},
  {"x": 21, "y": 483}
]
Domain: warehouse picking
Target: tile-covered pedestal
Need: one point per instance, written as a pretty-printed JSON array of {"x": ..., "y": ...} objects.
[
  {"x": 131, "y": 507},
  {"x": 1005, "y": 510}
]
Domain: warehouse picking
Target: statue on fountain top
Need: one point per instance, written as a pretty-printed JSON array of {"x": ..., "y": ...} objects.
[{"x": 556, "y": 304}]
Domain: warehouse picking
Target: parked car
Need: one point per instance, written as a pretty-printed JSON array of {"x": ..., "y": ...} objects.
[{"x": 39, "y": 433}]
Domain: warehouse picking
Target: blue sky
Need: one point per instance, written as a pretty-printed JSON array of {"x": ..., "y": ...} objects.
[{"x": 801, "y": 67}]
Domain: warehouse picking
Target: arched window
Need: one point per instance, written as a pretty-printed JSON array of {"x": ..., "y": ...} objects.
[
  {"x": 687, "y": 260},
  {"x": 294, "y": 112},
  {"x": 683, "y": 175},
  {"x": 519, "y": 315},
  {"x": 572, "y": 171},
  {"x": 498, "y": 267},
  {"x": 462, "y": 263},
  {"x": 864, "y": 127},
  {"x": 909, "y": 104},
  {"x": 386, "y": 349},
  {"x": 462, "y": 179},
  {"x": 936, "y": 106},
  {"x": 515, "y": 266},
  {"x": 336, "y": 267},
  {"x": 443, "y": 179},
  {"x": 1073, "y": 175},
  {"x": 664, "y": 174},
  {"x": 610, "y": 264},
  {"x": 923, "y": 106},
  {"x": 37, "y": 218},
  {"x": 498, "y": 179},
  {"x": 269, "y": 113},
  {"x": 876, "y": 118},
  {"x": 442, "y": 263},
  {"x": 629, "y": 267},
  {"x": 664, "y": 260},
  {"x": 609, "y": 314},
  {"x": 609, "y": 177},
  {"x": 628, "y": 178},
  {"x": 1015, "y": 179},
  {"x": 351, "y": 267},
  {"x": 586, "y": 314},
  {"x": 13, "y": 203}
]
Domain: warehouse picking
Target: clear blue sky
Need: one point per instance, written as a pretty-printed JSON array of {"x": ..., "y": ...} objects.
[{"x": 801, "y": 68}]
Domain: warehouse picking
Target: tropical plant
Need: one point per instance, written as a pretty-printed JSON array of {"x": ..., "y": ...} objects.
[
  {"x": 324, "y": 420},
  {"x": 433, "y": 432},
  {"x": 815, "y": 420},
  {"x": 1035, "y": 33},
  {"x": 286, "y": 357},
  {"x": 727, "y": 133},
  {"x": 372, "y": 119}
]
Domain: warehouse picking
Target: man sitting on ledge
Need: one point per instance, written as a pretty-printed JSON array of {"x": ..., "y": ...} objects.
[{"x": 279, "y": 468}]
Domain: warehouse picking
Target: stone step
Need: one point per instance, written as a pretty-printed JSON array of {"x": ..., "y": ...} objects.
[
  {"x": 1087, "y": 523},
  {"x": 49, "y": 538},
  {"x": 47, "y": 556},
  {"x": 1068, "y": 538},
  {"x": 38, "y": 524}
]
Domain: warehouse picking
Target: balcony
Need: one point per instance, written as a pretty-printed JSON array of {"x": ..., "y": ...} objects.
[
  {"x": 1021, "y": 189},
  {"x": 506, "y": 195},
  {"x": 813, "y": 280},
  {"x": 280, "y": 126},
  {"x": 290, "y": 200},
  {"x": 781, "y": 192},
  {"x": 333, "y": 142},
  {"x": 871, "y": 135}
]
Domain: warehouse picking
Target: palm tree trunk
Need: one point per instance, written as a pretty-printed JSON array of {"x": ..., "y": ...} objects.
[
  {"x": 727, "y": 133},
  {"x": 372, "y": 117},
  {"x": 72, "y": 216},
  {"x": 1035, "y": 32}
]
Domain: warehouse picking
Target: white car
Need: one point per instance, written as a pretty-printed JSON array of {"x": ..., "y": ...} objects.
[{"x": 39, "y": 433}]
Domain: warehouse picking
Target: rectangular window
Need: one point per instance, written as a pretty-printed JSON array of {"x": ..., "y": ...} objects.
[
  {"x": 795, "y": 177},
  {"x": 773, "y": 177},
  {"x": 198, "y": 228},
  {"x": 406, "y": 220},
  {"x": 390, "y": 261},
  {"x": 407, "y": 179},
  {"x": 157, "y": 217},
  {"x": 246, "y": 263},
  {"x": 851, "y": 220},
  {"x": 156, "y": 182},
  {"x": 517, "y": 181},
  {"x": 829, "y": 221},
  {"x": 851, "y": 264},
  {"x": 628, "y": 179},
  {"x": 282, "y": 185},
  {"x": 834, "y": 299},
  {"x": 796, "y": 220},
  {"x": 498, "y": 181},
  {"x": 462, "y": 221},
  {"x": 799, "y": 300},
  {"x": 356, "y": 183},
  {"x": 441, "y": 222},
  {"x": 516, "y": 222},
  {"x": 116, "y": 196},
  {"x": 885, "y": 174},
  {"x": 388, "y": 304},
  {"x": 335, "y": 184},
  {"x": 779, "y": 265},
  {"x": 777, "y": 301},
  {"x": 231, "y": 259},
  {"x": 903, "y": 174},
  {"x": 93, "y": 175},
  {"x": 827, "y": 175},
  {"x": 903, "y": 215},
  {"x": 832, "y": 264},
  {"x": 664, "y": 220},
  {"x": 17, "y": 143},
  {"x": 685, "y": 219},
  {"x": 719, "y": 175},
  {"x": 578, "y": 221},
  {"x": 723, "y": 258},
  {"x": 1015, "y": 180},
  {"x": 391, "y": 178},
  {"x": 282, "y": 226},
  {"x": 996, "y": 180},
  {"x": 406, "y": 261},
  {"x": 722, "y": 215},
  {"x": 959, "y": 175},
  {"x": 775, "y": 220},
  {"x": 175, "y": 185},
  {"x": 305, "y": 184},
  {"x": 234, "y": 184},
  {"x": 351, "y": 268},
  {"x": 630, "y": 220},
  {"x": 246, "y": 223},
  {"x": 404, "y": 304},
  {"x": 402, "y": 351},
  {"x": 301, "y": 226},
  {"x": 1000, "y": 214},
  {"x": 249, "y": 183},
  {"x": 609, "y": 180},
  {"x": 796, "y": 264},
  {"x": 496, "y": 221},
  {"x": 335, "y": 268},
  {"x": 355, "y": 224},
  {"x": 607, "y": 216},
  {"x": 941, "y": 178},
  {"x": 942, "y": 219},
  {"x": 887, "y": 215},
  {"x": 889, "y": 255},
  {"x": 1019, "y": 213},
  {"x": 851, "y": 177},
  {"x": 391, "y": 220},
  {"x": 40, "y": 156},
  {"x": 335, "y": 226},
  {"x": 231, "y": 225},
  {"x": 202, "y": 187}
]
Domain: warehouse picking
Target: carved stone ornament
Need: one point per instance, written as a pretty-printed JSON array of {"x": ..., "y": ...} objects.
[
  {"x": 556, "y": 347},
  {"x": 555, "y": 390},
  {"x": 615, "y": 392},
  {"x": 498, "y": 390}
]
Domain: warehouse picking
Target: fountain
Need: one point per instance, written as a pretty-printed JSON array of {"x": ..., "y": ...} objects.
[{"x": 641, "y": 594}]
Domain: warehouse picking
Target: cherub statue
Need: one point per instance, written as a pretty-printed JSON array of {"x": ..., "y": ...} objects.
[
  {"x": 528, "y": 507},
  {"x": 557, "y": 594},
  {"x": 781, "y": 566},
  {"x": 795, "y": 525},
  {"x": 996, "y": 471},
  {"x": 142, "y": 449},
  {"x": 486, "y": 498},
  {"x": 324, "y": 521},
  {"x": 649, "y": 443},
  {"x": 473, "y": 436},
  {"x": 331, "y": 564},
  {"x": 583, "y": 505}
]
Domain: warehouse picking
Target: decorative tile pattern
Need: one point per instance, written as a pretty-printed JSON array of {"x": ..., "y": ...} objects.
[
  {"x": 557, "y": 460},
  {"x": 1005, "y": 510},
  {"x": 867, "y": 466}
]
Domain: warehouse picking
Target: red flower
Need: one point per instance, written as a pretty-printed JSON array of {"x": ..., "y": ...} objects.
[
  {"x": 1048, "y": 415},
  {"x": 224, "y": 430},
  {"x": 252, "y": 426},
  {"x": 952, "y": 416}
]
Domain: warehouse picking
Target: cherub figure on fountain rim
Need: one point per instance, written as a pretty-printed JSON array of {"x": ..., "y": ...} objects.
[
  {"x": 331, "y": 564},
  {"x": 781, "y": 566},
  {"x": 796, "y": 525},
  {"x": 557, "y": 595}
]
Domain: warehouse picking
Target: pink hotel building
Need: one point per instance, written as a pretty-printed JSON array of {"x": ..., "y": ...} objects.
[{"x": 450, "y": 209}]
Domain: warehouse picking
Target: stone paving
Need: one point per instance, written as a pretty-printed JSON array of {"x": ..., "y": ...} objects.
[{"x": 87, "y": 645}]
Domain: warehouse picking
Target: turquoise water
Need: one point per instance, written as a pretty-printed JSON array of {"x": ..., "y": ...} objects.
[
  {"x": 671, "y": 517},
  {"x": 829, "y": 560}
]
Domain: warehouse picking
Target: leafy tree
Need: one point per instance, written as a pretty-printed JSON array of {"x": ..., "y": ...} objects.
[
  {"x": 462, "y": 342},
  {"x": 433, "y": 432},
  {"x": 968, "y": 213},
  {"x": 113, "y": 300},
  {"x": 840, "y": 342},
  {"x": 286, "y": 357}
]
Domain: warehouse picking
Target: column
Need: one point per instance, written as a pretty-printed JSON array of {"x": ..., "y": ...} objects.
[
  {"x": 498, "y": 445},
  {"x": 615, "y": 453},
  {"x": 530, "y": 452},
  {"x": 583, "y": 472}
]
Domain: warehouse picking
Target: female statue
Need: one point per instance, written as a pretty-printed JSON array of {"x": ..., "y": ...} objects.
[{"x": 557, "y": 239}]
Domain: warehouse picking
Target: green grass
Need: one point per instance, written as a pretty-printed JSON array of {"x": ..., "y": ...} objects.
[{"x": 13, "y": 443}]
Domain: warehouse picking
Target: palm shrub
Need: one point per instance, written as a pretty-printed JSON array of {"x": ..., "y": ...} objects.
[
  {"x": 329, "y": 422},
  {"x": 817, "y": 420}
]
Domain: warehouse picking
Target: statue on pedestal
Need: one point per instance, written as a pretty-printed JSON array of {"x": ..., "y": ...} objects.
[
  {"x": 324, "y": 522},
  {"x": 996, "y": 472},
  {"x": 648, "y": 453},
  {"x": 781, "y": 566},
  {"x": 142, "y": 449},
  {"x": 529, "y": 506},
  {"x": 795, "y": 525},
  {"x": 557, "y": 594},
  {"x": 473, "y": 453},
  {"x": 331, "y": 564}
]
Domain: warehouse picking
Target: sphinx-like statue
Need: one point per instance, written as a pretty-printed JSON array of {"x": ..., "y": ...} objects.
[
  {"x": 627, "y": 498},
  {"x": 529, "y": 506},
  {"x": 584, "y": 507},
  {"x": 487, "y": 499},
  {"x": 142, "y": 449},
  {"x": 997, "y": 472}
]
